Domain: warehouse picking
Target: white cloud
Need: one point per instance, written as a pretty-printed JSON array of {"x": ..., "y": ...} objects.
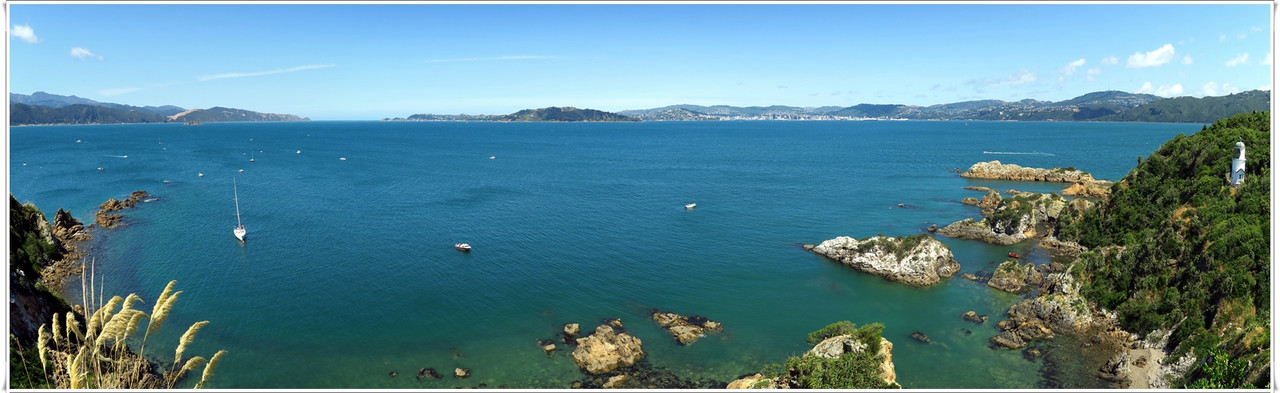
[
  {"x": 1151, "y": 59},
  {"x": 1214, "y": 89},
  {"x": 495, "y": 58},
  {"x": 1187, "y": 59},
  {"x": 1238, "y": 60},
  {"x": 1110, "y": 60},
  {"x": 1070, "y": 68},
  {"x": 261, "y": 73},
  {"x": 1165, "y": 91},
  {"x": 1267, "y": 60},
  {"x": 1093, "y": 71},
  {"x": 118, "y": 91},
  {"x": 1222, "y": 37},
  {"x": 1014, "y": 80},
  {"x": 25, "y": 33},
  {"x": 1255, "y": 29},
  {"x": 82, "y": 53}
]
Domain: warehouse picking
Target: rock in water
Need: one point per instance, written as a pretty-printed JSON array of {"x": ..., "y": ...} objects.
[
  {"x": 461, "y": 372},
  {"x": 974, "y": 317},
  {"x": 918, "y": 260},
  {"x": 605, "y": 350},
  {"x": 920, "y": 336}
]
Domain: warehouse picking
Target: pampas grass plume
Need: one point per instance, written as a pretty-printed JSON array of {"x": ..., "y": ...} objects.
[
  {"x": 191, "y": 365},
  {"x": 73, "y": 326},
  {"x": 162, "y": 312},
  {"x": 41, "y": 346},
  {"x": 57, "y": 331},
  {"x": 208, "y": 369},
  {"x": 187, "y": 338},
  {"x": 163, "y": 297}
]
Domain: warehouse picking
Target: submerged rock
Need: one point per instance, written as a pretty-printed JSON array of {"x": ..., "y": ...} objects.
[
  {"x": 918, "y": 260},
  {"x": 605, "y": 350},
  {"x": 920, "y": 336}
]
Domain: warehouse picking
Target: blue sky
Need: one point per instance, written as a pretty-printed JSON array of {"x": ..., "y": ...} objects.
[{"x": 356, "y": 61}]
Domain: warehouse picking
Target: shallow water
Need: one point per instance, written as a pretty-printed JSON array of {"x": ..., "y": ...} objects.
[{"x": 349, "y": 271}]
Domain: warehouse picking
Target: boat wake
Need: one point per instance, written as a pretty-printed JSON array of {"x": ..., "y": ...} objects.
[
  {"x": 117, "y": 156},
  {"x": 1030, "y": 153}
]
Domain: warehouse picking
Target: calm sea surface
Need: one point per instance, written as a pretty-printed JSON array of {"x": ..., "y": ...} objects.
[{"x": 349, "y": 271}]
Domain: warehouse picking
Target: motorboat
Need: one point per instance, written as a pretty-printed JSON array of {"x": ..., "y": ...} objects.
[
  {"x": 690, "y": 206},
  {"x": 1013, "y": 255},
  {"x": 462, "y": 247}
]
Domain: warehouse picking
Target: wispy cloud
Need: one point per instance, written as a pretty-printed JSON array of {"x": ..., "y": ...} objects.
[
  {"x": 119, "y": 91},
  {"x": 1267, "y": 60},
  {"x": 495, "y": 58},
  {"x": 25, "y": 33},
  {"x": 1014, "y": 80},
  {"x": 1151, "y": 59},
  {"x": 1238, "y": 60},
  {"x": 1165, "y": 91},
  {"x": 1222, "y": 37},
  {"x": 1110, "y": 60},
  {"x": 1070, "y": 68},
  {"x": 82, "y": 53},
  {"x": 1187, "y": 59},
  {"x": 203, "y": 78},
  {"x": 1093, "y": 71},
  {"x": 1255, "y": 29},
  {"x": 1214, "y": 89}
]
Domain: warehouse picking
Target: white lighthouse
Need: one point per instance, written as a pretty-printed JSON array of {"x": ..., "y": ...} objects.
[{"x": 1237, "y": 165}]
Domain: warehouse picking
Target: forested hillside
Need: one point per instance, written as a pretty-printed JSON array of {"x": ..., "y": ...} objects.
[{"x": 1176, "y": 247}]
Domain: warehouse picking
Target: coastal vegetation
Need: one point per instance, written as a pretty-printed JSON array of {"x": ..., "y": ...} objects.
[
  {"x": 1176, "y": 248},
  {"x": 844, "y": 356}
]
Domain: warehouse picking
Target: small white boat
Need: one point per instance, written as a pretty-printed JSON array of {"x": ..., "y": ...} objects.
[
  {"x": 342, "y": 158},
  {"x": 492, "y": 157},
  {"x": 691, "y": 205},
  {"x": 200, "y": 175},
  {"x": 166, "y": 181},
  {"x": 299, "y": 151},
  {"x": 242, "y": 171},
  {"x": 239, "y": 231},
  {"x": 462, "y": 247},
  {"x": 77, "y": 141},
  {"x": 99, "y": 168}
]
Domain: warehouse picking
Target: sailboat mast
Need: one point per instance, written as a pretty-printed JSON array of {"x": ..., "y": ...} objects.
[{"x": 237, "y": 194}]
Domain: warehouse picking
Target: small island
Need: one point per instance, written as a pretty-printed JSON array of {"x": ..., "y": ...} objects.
[{"x": 548, "y": 114}]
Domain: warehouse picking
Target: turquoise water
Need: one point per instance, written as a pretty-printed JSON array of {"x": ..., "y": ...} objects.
[{"x": 349, "y": 271}]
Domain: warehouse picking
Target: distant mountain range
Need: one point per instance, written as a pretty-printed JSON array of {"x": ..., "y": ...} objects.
[
  {"x": 1096, "y": 106},
  {"x": 45, "y": 108},
  {"x": 566, "y": 113}
]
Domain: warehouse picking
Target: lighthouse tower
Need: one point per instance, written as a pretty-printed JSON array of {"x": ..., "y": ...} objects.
[{"x": 1237, "y": 165}]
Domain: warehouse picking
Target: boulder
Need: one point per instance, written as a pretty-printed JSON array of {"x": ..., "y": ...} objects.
[
  {"x": 1009, "y": 339},
  {"x": 918, "y": 260},
  {"x": 834, "y": 347},
  {"x": 605, "y": 350},
  {"x": 686, "y": 330},
  {"x": 615, "y": 382},
  {"x": 933, "y": 228},
  {"x": 920, "y": 336},
  {"x": 461, "y": 372},
  {"x": 547, "y": 346},
  {"x": 749, "y": 381},
  {"x": 972, "y": 316},
  {"x": 969, "y": 277},
  {"x": 686, "y": 334},
  {"x": 971, "y": 201},
  {"x": 428, "y": 372}
]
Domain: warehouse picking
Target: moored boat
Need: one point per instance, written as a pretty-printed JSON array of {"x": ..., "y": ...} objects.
[
  {"x": 462, "y": 247},
  {"x": 1013, "y": 255},
  {"x": 690, "y": 205}
]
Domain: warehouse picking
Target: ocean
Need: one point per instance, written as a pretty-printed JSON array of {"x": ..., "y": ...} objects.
[{"x": 349, "y": 270}]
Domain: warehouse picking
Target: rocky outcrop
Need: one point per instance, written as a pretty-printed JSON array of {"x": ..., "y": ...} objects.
[
  {"x": 104, "y": 217},
  {"x": 1010, "y": 277},
  {"x": 686, "y": 330},
  {"x": 754, "y": 381},
  {"x": 996, "y": 170},
  {"x": 605, "y": 350},
  {"x": 1089, "y": 189},
  {"x": 978, "y": 230},
  {"x": 918, "y": 260},
  {"x": 66, "y": 228},
  {"x": 1059, "y": 308},
  {"x": 569, "y": 333},
  {"x": 1059, "y": 247}
]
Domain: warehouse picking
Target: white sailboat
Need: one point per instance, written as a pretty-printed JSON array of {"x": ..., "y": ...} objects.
[{"x": 239, "y": 231}]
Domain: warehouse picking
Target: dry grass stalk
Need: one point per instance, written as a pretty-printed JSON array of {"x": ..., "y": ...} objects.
[
  {"x": 191, "y": 365},
  {"x": 163, "y": 297},
  {"x": 116, "y": 328},
  {"x": 57, "y": 331},
  {"x": 187, "y": 338},
  {"x": 162, "y": 313},
  {"x": 133, "y": 323},
  {"x": 77, "y": 378},
  {"x": 73, "y": 326},
  {"x": 42, "y": 347},
  {"x": 129, "y": 301},
  {"x": 208, "y": 369}
]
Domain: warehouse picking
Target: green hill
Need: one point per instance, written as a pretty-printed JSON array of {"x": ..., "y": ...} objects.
[
  {"x": 567, "y": 113},
  {"x": 221, "y": 114},
  {"x": 1175, "y": 247},
  {"x": 1196, "y": 110},
  {"x": 23, "y": 114}
]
